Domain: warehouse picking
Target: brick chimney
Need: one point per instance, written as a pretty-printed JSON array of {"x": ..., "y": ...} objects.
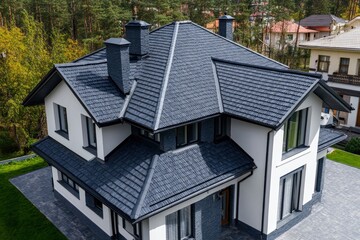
[
  {"x": 225, "y": 26},
  {"x": 118, "y": 62},
  {"x": 137, "y": 32}
]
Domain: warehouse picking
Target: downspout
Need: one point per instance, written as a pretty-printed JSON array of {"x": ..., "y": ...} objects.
[
  {"x": 238, "y": 191},
  {"x": 265, "y": 178}
]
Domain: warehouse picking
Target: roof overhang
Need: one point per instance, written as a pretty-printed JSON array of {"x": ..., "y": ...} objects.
[{"x": 337, "y": 49}]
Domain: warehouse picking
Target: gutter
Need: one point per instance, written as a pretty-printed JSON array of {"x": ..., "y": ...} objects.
[{"x": 265, "y": 178}]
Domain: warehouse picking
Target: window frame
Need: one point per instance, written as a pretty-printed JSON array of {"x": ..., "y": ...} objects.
[
  {"x": 187, "y": 135},
  {"x": 300, "y": 133},
  {"x": 62, "y": 125},
  {"x": 326, "y": 63},
  {"x": 295, "y": 193},
  {"x": 69, "y": 184},
  {"x": 135, "y": 228},
  {"x": 220, "y": 123},
  {"x": 92, "y": 143},
  {"x": 341, "y": 65},
  {"x": 189, "y": 223},
  {"x": 93, "y": 204}
]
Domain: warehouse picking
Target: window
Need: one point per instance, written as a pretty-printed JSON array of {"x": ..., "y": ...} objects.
[
  {"x": 155, "y": 137},
  {"x": 61, "y": 121},
  {"x": 323, "y": 63},
  {"x": 220, "y": 127},
  {"x": 289, "y": 37},
  {"x": 358, "y": 67},
  {"x": 91, "y": 132},
  {"x": 187, "y": 134},
  {"x": 69, "y": 184},
  {"x": 178, "y": 224},
  {"x": 289, "y": 194},
  {"x": 94, "y": 204},
  {"x": 344, "y": 65},
  {"x": 130, "y": 228},
  {"x": 295, "y": 131}
]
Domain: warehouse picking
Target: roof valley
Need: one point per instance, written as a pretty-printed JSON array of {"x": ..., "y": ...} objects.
[{"x": 166, "y": 77}]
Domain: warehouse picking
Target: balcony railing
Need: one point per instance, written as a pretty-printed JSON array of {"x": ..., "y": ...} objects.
[{"x": 345, "y": 79}]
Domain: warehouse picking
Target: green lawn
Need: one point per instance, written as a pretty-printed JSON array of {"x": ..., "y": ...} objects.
[
  {"x": 4, "y": 156},
  {"x": 19, "y": 219},
  {"x": 345, "y": 157}
]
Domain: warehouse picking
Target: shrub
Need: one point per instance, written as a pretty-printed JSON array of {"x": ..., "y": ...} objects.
[
  {"x": 353, "y": 145},
  {"x": 7, "y": 144}
]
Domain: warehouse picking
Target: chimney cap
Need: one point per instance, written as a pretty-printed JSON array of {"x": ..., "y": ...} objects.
[
  {"x": 117, "y": 41},
  {"x": 137, "y": 23},
  {"x": 226, "y": 17}
]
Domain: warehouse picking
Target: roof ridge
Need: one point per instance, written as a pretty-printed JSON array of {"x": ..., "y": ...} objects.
[
  {"x": 166, "y": 77},
  {"x": 127, "y": 99},
  {"x": 136, "y": 211},
  {"x": 89, "y": 54},
  {"x": 317, "y": 75},
  {"x": 239, "y": 45},
  {"x": 75, "y": 64}
]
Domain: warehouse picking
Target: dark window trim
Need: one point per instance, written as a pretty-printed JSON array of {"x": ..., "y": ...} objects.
[
  {"x": 296, "y": 208},
  {"x": 91, "y": 204},
  {"x": 89, "y": 142},
  {"x": 67, "y": 185},
  {"x": 298, "y": 144},
  {"x": 344, "y": 65},
  {"x": 135, "y": 234},
  {"x": 327, "y": 62},
  {"x": 187, "y": 141},
  {"x": 192, "y": 222},
  {"x": 61, "y": 129},
  {"x": 223, "y": 127}
]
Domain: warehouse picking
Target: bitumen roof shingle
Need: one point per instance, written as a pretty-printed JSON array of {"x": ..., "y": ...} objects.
[
  {"x": 329, "y": 137},
  {"x": 137, "y": 179},
  {"x": 320, "y": 20},
  {"x": 260, "y": 94},
  {"x": 177, "y": 82}
]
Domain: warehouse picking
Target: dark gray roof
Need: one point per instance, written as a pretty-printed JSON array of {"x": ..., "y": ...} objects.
[
  {"x": 329, "y": 137},
  {"x": 137, "y": 179},
  {"x": 261, "y": 94},
  {"x": 320, "y": 20},
  {"x": 177, "y": 82}
]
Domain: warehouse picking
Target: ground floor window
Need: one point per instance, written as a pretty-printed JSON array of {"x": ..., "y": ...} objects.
[
  {"x": 69, "y": 184},
  {"x": 178, "y": 224},
  {"x": 289, "y": 193},
  {"x": 94, "y": 204}
]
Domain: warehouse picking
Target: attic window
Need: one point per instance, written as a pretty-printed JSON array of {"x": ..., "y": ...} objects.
[
  {"x": 186, "y": 135},
  {"x": 89, "y": 134}
]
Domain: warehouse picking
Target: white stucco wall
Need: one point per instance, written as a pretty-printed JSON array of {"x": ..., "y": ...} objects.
[
  {"x": 307, "y": 159},
  {"x": 107, "y": 137},
  {"x": 253, "y": 139},
  {"x": 80, "y": 203},
  {"x": 63, "y": 96}
]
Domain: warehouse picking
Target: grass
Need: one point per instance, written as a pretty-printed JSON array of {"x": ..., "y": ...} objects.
[
  {"x": 4, "y": 156},
  {"x": 344, "y": 157},
  {"x": 19, "y": 219}
]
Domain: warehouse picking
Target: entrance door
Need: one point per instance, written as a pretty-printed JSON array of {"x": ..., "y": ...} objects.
[
  {"x": 358, "y": 116},
  {"x": 225, "y": 206}
]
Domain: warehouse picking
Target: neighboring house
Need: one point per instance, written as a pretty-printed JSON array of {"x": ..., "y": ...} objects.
[
  {"x": 354, "y": 23},
  {"x": 176, "y": 133},
  {"x": 284, "y": 33},
  {"x": 338, "y": 59},
  {"x": 326, "y": 25}
]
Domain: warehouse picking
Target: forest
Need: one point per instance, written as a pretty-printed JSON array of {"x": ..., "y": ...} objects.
[{"x": 35, "y": 34}]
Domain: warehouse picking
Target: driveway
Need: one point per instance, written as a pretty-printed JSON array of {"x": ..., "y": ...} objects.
[
  {"x": 338, "y": 214},
  {"x": 336, "y": 217}
]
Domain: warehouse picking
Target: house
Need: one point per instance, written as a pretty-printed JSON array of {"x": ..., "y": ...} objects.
[
  {"x": 326, "y": 25},
  {"x": 284, "y": 33},
  {"x": 354, "y": 23},
  {"x": 176, "y": 133},
  {"x": 337, "y": 58}
]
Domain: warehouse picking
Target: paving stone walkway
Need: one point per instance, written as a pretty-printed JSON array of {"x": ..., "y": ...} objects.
[
  {"x": 336, "y": 217},
  {"x": 36, "y": 186}
]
